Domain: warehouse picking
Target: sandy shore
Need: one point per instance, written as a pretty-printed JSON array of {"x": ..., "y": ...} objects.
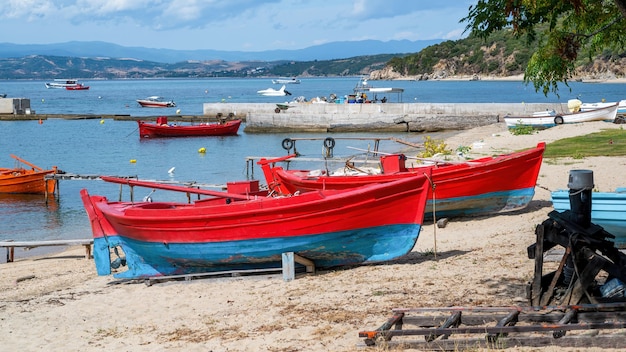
[{"x": 58, "y": 303}]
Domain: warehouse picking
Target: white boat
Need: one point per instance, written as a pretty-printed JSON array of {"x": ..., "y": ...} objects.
[
  {"x": 621, "y": 108},
  {"x": 285, "y": 80},
  {"x": 363, "y": 87},
  {"x": 550, "y": 118},
  {"x": 156, "y": 102},
  {"x": 271, "y": 92},
  {"x": 63, "y": 83}
]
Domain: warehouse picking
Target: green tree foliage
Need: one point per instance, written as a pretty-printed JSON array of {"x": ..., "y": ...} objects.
[
  {"x": 500, "y": 54},
  {"x": 561, "y": 29}
]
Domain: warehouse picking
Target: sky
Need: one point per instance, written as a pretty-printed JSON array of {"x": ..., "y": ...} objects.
[{"x": 231, "y": 25}]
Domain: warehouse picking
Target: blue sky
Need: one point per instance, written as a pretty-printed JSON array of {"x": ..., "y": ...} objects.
[{"x": 232, "y": 25}]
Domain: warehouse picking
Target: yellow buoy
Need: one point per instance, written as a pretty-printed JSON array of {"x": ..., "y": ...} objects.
[
  {"x": 101, "y": 122},
  {"x": 132, "y": 161},
  {"x": 202, "y": 150}
]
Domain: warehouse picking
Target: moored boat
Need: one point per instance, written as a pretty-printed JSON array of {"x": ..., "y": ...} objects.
[
  {"x": 546, "y": 120},
  {"x": 250, "y": 230},
  {"x": 363, "y": 87},
  {"x": 271, "y": 92},
  {"x": 163, "y": 129},
  {"x": 78, "y": 86},
  {"x": 621, "y": 106},
  {"x": 608, "y": 209},
  {"x": 26, "y": 180},
  {"x": 285, "y": 80},
  {"x": 481, "y": 186},
  {"x": 63, "y": 83},
  {"x": 156, "y": 102}
]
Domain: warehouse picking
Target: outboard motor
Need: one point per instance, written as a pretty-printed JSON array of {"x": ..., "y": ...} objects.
[{"x": 580, "y": 186}]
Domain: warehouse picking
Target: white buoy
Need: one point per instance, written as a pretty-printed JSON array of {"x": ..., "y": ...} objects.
[{"x": 171, "y": 171}]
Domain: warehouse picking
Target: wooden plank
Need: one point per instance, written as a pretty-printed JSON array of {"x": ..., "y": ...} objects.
[
  {"x": 472, "y": 344},
  {"x": 32, "y": 244},
  {"x": 536, "y": 285},
  {"x": 10, "y": 246}
]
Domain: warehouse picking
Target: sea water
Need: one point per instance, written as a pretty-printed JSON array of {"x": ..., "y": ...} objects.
[{"x": 111, "y": 147}]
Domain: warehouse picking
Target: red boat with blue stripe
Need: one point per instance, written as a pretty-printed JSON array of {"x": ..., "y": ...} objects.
[
  {"x": 477, "y": 187},
  {"x": 248, "y": 229}
]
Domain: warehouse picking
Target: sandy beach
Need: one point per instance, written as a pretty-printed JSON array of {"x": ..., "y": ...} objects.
[{"x": 58, "y": 303}]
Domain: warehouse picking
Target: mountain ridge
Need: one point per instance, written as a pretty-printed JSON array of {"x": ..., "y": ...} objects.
[{"x": 328, "y": 51}]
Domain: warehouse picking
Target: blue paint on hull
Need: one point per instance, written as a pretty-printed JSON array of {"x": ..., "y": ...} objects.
[
  {"x": 487, "y": 203},
  {"x": 149, "y": 259},
  {"x": 608, "y": 209}
]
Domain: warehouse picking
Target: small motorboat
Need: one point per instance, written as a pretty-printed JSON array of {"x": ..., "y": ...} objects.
[
  {"x": 547, "y": 119},
  {"x": 285, "y": 80},
  {"x": 247, "y": 228},
  {"x": 63, "y": 83},
  {"x": 163, "y": 129},
  {"x": 608, "y": 210},
  {"x": 156, "y": 102},
  {"x": 21, "y": 180},
  {"x": 271, "y": 92},
  {"x": 78, "y": 86}
]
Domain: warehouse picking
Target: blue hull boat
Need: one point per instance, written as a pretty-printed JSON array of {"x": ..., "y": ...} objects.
[{"x": 608, "y": 209}]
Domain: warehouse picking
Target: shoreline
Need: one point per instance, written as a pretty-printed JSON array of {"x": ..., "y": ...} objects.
[
  {"x": 513, "y": 78},
  {"x": 59, "y": 303}
]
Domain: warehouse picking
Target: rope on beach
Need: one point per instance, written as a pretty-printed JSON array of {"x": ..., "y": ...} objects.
[{"x": 543, "y": 187}]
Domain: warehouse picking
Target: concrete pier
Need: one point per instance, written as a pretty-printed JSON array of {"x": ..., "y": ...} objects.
[
  {"x": 410, "y": 117},
  {"x": 327, "y": 117}
]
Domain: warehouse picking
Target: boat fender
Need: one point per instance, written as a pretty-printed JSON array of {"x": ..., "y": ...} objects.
[
  {"x": 277, "y": 110},
  {"x": 287, "y": 143},
  {"x": 558, "y": 120},
  {"x": 231, "y": 115},
  {"x": 329, "y": 142},
  {"x": 219, "y": 115}
]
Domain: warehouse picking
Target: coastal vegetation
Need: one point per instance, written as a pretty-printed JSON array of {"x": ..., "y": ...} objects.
[
  {"x": 608, "y": 142},
  {"x": 563, "y": 32}
]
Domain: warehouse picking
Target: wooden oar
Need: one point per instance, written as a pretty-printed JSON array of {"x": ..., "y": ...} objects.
[
  {"x": 276, "y": 160},
  {"x": 125, "y": 181},
  {"x": 26, "y": 162}
]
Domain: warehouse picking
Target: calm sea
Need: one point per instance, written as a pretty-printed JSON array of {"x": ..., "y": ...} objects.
[{"x": 106, "y": 147}]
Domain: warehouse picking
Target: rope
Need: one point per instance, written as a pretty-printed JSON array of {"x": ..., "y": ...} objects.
[{"x": 433, "y": 186}]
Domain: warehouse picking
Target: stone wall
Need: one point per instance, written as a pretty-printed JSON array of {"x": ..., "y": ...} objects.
[{"x": 414, "y": 117}]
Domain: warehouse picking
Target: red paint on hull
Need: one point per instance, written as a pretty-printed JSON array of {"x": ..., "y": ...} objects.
[
  {"x": 486, "y": 175},
  {"x": 220, "y": 219},
  {"x": 151, "y": 130}
]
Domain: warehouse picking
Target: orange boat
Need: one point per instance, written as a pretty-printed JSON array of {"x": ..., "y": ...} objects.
[{"x": 22, "y": 180}]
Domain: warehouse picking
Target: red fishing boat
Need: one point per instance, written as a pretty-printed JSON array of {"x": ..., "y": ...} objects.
[
  {"x": 26, "y": 180},
  {"x": 481, "y": 186},
  {"x": 246, "y": 229},
  {"x": 163, "y": 129},
  {"x": 77, "y": 86}
]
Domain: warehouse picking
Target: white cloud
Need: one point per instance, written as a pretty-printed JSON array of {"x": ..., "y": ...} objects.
[{"x": 233, "y": 24}]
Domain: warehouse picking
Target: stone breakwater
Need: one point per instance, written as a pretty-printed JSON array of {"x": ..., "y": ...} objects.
[
  {"x": 409, "y": 117},
  {"x": 318, "y": 117}
]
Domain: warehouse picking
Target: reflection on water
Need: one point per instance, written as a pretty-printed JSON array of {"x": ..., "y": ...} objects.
[{"x": 24, "y": 214}]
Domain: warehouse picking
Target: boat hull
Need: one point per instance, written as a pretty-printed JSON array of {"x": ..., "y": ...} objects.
[
  {"x": 608, "y": 209},
  {"x": 333, "y": 228},
  {"x": 148, "y": 104},
  {"x": 602, "y": 114},
  {"x": 482, "y": 186},
  {"x": 26, "y": 182},
  {"x": 151, "y": 130}
]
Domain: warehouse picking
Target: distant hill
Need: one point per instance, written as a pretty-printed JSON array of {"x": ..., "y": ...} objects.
[
  {"x": 500, "y": 55},
  {"x": 49, "y": 67},
  {"x": 329, "y": 51}
]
